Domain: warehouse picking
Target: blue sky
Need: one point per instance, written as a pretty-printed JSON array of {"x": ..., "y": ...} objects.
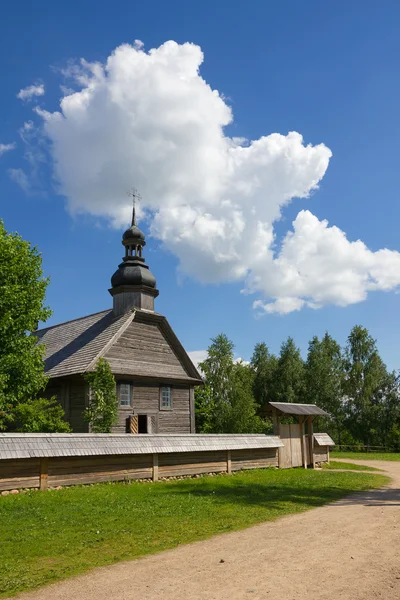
[{"x": 327, "y": 71}]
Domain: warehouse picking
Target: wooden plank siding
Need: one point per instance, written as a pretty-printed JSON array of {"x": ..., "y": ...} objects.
[
  {"x": 143, "y": 350},
  {"x": 321, "y": 454},
  {"x": 24, "y": 473},
  {"x": 93, "y": 469},
  {"x": 259, "y": 458},
  {"x": 19, "y": 473}
]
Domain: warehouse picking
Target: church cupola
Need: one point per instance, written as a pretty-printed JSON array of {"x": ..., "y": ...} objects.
[{"x": 133, "y": 284}]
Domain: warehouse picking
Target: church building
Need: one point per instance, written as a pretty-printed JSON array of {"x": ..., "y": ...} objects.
[{"x": 155, "y": 377}]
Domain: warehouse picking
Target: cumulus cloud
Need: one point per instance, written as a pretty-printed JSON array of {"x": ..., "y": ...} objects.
[
  {"x": 6, "y": 148},
  {"x": 149, "y": 119},
  {"x": 31, "y": 91},
  {"x": 197, "y": 356}
]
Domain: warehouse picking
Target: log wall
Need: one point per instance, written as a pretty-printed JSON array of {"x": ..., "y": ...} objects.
[{"x": 52, "y": 471}]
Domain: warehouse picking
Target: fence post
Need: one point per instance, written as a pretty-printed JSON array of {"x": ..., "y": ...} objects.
[
  {"x": 228, "y": 462},
  {"x": 155, "y": 467},
  {"x": 43, "y": 476}
]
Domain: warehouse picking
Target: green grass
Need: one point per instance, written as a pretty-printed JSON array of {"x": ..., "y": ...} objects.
[
  {"x": 343, "y": 465},
  {"x": 52, "y": 535},
  {"x": 367, "y": 455}
]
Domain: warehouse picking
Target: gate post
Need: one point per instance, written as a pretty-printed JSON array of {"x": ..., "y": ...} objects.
[
  {"x": 311, "y": 440},
  {"x": 303, "y": 442}
]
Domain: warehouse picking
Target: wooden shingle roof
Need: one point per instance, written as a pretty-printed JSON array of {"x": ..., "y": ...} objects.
[
  {"x": 71, "y": 347},
  {"x": 39, "y": 445},
  {"x": 323, "y": 439},
  {"x": 75, "y": 346},
  {"x": 289, "y": 408}
]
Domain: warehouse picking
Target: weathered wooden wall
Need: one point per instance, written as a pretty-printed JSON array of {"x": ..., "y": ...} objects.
[
  {"x": 25, "y": 473},
  {"x": 146, "y": 401},
  {"x": 143, "y": 350},
  {"x": 19, "y": 473},
  {"x": 321, "y": 454}
]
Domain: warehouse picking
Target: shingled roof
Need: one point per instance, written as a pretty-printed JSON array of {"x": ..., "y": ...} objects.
[
  {"x": 75, "y": 346},
  {"x": 37, "y": 445},
  {"x": 290, "y": 408}
]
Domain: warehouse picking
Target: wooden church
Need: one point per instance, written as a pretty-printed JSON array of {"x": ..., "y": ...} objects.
[{"x": 155, "y": 377}]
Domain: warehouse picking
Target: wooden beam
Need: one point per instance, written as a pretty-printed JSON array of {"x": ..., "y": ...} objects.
[
  {"x": 303, "y": 441},
  {"x": 192, "y": 410},
  {"x": 229, "y": 461},
  {"x": 275, "y": 421},
  {"x": 43, "y": 476},
  {"x": 155, "y": 467},
  {"x": 311, "y": 440}
]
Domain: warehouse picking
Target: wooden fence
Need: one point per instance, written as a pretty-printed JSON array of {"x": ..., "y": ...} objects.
[{"x": 74, "y": 464}]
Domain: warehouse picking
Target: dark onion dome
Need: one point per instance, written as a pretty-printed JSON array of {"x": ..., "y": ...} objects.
[
  {"x": 133, "y": 235},
  {"x": 133, "y": 273}
]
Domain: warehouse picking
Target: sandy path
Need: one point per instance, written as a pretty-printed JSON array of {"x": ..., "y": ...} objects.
[{"x": 348, "y": 550}]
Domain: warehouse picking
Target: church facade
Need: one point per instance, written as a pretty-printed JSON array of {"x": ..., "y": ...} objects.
[{"x": 155, "y": 377}]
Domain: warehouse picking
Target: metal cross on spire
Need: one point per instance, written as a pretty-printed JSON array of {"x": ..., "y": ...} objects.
[{"x": 136, "y": 197}]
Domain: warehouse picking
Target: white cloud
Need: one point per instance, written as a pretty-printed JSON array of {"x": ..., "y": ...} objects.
[
  {"x": 197, "y": 356},
  {"x": 30, "y": 91},
  {"x": 318, "y": 265},
  {"x": 20, "y": 178},
  {"x": 6, "y": 148},
  {"x": 149, "y": 119}
]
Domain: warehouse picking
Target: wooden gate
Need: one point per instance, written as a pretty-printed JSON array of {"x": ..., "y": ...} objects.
[{"x": 290, "y": 455}]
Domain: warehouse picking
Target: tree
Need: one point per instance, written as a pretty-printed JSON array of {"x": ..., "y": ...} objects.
[
  {"x": 226, "y": 403},
  {"x": 324, "y": 380},
  {"x": 102, "y": 412},
  {"x": 22, "y": 295},
  {"x": 40, "y": 416},
  {"x": 217, "y": 369},
  {"x": 289, "y": 381},
  {"x": 264, "y": 365},
  {"x": 365, "y": 378},
  {"x": 241, "y": 414}
]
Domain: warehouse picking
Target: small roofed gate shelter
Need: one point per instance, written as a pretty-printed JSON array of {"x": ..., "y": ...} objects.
[{"x": 300, "y": 447}]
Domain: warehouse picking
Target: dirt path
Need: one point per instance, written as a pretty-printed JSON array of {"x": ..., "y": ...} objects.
[{"x": 349, "y": 550}]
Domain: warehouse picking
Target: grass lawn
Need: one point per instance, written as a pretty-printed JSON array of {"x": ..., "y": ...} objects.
[
  {"x": 343, "y": 465},
  {"x": 52, "y": 535},
  {"x": 367, "y": 455}
]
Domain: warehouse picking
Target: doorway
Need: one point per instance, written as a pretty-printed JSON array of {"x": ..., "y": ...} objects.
[{"x": 142, "y": 424}]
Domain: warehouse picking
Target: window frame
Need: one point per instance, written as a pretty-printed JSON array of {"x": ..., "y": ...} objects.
[
  {"x": 163, "y": 387},
  {"x": 129, "y": 405}
]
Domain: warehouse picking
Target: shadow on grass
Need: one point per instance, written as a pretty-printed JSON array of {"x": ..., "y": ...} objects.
[{"x": 273, "y": 497}]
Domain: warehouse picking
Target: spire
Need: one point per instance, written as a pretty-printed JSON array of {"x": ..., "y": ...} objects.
[
  {"x": 136, "y": 197},
  {"x": 133, "y": 284}
]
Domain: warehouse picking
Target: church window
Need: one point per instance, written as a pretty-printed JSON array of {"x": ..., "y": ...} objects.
[
  {"x": 165, "y": 398},
  {"x": 124, "y": 394}
]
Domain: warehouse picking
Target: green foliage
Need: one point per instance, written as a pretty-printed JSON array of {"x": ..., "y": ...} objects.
[
  {"x": 352, "y": 385},
  {"x": 39, "y": 416},
  {"x": 54, "y": 535},
  {"x": 324, "y": 378},
  {"x": 102, "y": 412},
  {"x": 226, "y": 403},
  {"x": 289, "y": 384},
  {"x": 22, "y": 295},
  {"x": 205, "y": 408},
  {"x": 265, "y": 366},
  {"x": 364, "y": 385}
]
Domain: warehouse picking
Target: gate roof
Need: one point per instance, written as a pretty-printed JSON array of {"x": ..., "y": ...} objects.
[{"x": 289, "y": 408}]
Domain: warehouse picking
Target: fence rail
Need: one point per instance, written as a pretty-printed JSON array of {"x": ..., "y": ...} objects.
[{"x": 362, "y": 448}]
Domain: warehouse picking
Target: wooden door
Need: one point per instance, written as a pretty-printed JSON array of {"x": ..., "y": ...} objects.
[
  {"x": 285, "y": 453},
  {"x": 295, "y": 445},
  {"x": 290, "y": 455}
]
